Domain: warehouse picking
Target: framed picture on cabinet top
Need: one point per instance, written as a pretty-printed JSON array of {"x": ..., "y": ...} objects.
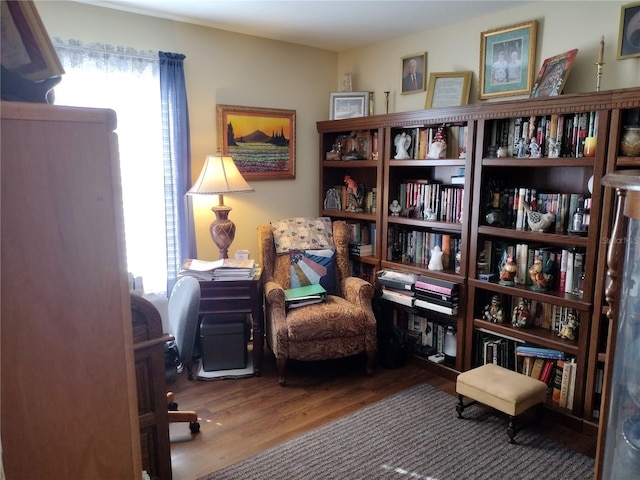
[
  {"x": 629, "y": 35},
  {"x": 414, "y": 69},
  {"x": 553, "y": 75},
  {"x": 448, "y": 89},
  {"x": 507, "y": 60},
  {"x": 262, "y": 141},
  {"x": 348, "y": 105}
]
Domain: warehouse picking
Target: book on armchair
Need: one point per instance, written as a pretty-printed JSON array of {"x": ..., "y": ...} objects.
[{"x": 306, "y": 295}]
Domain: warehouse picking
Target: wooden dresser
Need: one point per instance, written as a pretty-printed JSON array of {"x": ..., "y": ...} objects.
[{"x": 68, "y": 405}]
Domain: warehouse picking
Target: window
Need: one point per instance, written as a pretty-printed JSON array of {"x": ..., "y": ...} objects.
[{"x": 127, "y": 81}]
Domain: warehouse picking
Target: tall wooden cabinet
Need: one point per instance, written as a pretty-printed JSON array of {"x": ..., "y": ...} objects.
[
  {"x": 487, "y": 228},
  {"x": 68, "y": 404}
]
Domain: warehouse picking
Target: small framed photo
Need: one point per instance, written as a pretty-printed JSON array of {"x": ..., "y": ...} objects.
[
  {"x": 553, "y": 75},
  {"x": 413, "y": 73},
  {"x": 348, "y": 105},
  {"x": 507, "y": 60},
  {"x": 629, "y": 35},
  {"x": 448, "y": 89}
]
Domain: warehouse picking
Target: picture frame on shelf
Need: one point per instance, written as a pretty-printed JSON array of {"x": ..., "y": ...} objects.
[
  {"x": 507, "y": 60},
  {"x": 344, "y": 105},
  {"x": 448, "y": 89},
  {"x": 553, "y": 75},
  {"x": 414, "y": 69},
  {"x": 629, "y": 34},
  {"x": 262, "y": 141}
]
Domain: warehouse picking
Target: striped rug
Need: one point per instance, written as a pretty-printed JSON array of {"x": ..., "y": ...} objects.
[{"x": 414, "y": 434}]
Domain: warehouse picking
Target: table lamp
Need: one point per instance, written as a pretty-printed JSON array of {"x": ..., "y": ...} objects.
[{"x": 220, "y": 176}]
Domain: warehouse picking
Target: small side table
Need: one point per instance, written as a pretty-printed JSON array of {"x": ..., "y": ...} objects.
[{"x": 237, "y": 296}]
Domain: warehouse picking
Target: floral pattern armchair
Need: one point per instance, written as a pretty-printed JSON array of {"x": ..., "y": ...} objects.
[{"x": 342, "y": 326}]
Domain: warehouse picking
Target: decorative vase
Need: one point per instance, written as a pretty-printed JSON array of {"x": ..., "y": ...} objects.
[{"x": 630, "y": 142}]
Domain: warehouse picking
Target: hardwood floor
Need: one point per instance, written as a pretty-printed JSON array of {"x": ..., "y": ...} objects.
[{"x": 242, "y": 417}]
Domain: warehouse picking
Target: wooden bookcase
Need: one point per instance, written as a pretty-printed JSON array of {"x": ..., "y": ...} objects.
[{"x": 565, "y": 174}]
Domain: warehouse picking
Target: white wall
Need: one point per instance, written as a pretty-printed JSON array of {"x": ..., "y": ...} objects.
[
  {"x": 232, "y": 69},
  {"x": 562, "y": 26},
  {"x": 228, "y": 68}
]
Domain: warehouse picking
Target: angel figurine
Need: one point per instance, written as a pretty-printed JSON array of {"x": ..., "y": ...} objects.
[{"x": 402, "y": 141}]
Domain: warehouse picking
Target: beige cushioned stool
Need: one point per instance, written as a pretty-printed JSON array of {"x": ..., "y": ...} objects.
[{"x": 500, "y": 388}]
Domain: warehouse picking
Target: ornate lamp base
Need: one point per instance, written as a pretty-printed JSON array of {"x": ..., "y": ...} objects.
[{"x": 223, "y": 230}]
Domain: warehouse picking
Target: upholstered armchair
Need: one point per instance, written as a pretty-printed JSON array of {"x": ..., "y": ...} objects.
[{"x": 343, "y": 325}]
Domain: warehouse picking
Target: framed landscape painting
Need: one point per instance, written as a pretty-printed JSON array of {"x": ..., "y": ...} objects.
[
  {"x": 507, "y": 60},
  {"x": 261, "y": 141}
]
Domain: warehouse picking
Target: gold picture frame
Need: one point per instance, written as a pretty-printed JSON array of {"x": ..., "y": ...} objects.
[
  {"x": 448, "y": 89},
  {"x": 629, "y": 34},
  {"x": 495, "y": 63},
  {"x": 415, "y": 64},
  {"x": 262, "y": 141}
]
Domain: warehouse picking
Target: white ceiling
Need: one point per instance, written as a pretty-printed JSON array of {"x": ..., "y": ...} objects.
[{"x": 330, "y": 24}]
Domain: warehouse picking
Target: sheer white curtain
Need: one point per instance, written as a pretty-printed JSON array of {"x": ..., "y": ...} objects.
[{"x": 127, "y": 81}]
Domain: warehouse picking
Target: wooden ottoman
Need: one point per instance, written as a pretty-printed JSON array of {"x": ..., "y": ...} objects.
[{"x": 505, "y": 390}]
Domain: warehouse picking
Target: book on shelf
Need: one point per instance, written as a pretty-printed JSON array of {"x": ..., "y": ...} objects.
[
  {"x": 557, "y": 382},
  {"x": 572, "y": 383},
  {"x": 305, "y": 295},
  {"x": 536, "y": 370},
  {"x": 436, "y": 285},
  {"x": 439, "y": 298},
  {"x": 541, "y": 352},
  {"x": 429, "y": 305},
  {"x": 401, "y": 297}
]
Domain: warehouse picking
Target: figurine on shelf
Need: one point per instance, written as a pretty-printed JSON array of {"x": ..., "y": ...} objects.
[
  {"x": 395, "y": 208},
  {"x": 569, "y": 327},
  {"x": 521, "y": 148},
  {"x": 493, "y": 312},
  {"x": 435, "y": 262},
  {"x": 520, "y": 316},
  {"x": 554, "y": 151},
  {"x": 402, "y": 141},
  {"x": 538, "y": 222},
  {"x": 534, "y": 149},
  {"x": 540, "y": 275},
  {"x": 508, "y": 271},
  {"x": 438, "y": 146},
  {"x": 355, "y": 194}
]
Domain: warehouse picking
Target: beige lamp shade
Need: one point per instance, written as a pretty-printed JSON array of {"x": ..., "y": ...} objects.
[{"x": 219, "y": 176}]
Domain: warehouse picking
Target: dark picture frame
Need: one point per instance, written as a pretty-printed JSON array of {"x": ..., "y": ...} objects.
[
  {"x": 27, "y": 50},
  {"x": 262, "y": 141},
  {"x": 629, "y": 34},
  {"x": 419, "y": 60},
  {"x": 504, "y": 50},
  {"x": 553, "y": 75},
  {"x": 448, "y": 89},
  {"x": 348, "y": 105}
]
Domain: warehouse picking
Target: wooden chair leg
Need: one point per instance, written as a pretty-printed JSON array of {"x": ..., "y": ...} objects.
[
  {"x": 281, "y": 363},
  {"x": 460, "y": 406},
  {"x": 511, "y": 430}
]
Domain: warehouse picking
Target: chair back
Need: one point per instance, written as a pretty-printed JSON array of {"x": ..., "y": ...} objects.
[
  {"x": 277, "y": 268},
  {"x": 184, "y": 304}
]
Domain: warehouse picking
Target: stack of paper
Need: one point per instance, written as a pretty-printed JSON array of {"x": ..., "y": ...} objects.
[
  {"x": 223, "y": 269},
  {"x": 307, "y": 295}
]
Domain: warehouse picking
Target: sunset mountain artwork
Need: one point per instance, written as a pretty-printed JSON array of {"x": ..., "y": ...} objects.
[{"x": 261, "y": 141}]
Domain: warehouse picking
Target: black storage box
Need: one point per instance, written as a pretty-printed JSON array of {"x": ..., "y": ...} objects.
[{"x": 223, "y": 342}]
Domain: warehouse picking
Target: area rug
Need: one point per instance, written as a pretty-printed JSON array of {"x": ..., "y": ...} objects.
[{"x": 414, "y": 434}]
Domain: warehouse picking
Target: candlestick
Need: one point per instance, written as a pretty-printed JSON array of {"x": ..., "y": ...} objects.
[
  {"x": 599, "y": 64},
  {"x": 386, "y": 95},
  {"x": 601, "y": 52}
]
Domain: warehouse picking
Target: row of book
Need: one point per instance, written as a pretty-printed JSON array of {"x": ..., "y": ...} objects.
[
  {"x": 548, "y": 365},
  {"x": 226, "y": 269},
  {"x": 506, "y": 208},
  {"x": 431, "y": 200},
  {"x": 557, "y": 135},
  {"x": 421, "y": 137},
  {"x": 416, "y": 246},
  {"x": 368, "y": 201},
  {"x": 412, "y": 290},
  {"x": 564, "y": 266}
]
